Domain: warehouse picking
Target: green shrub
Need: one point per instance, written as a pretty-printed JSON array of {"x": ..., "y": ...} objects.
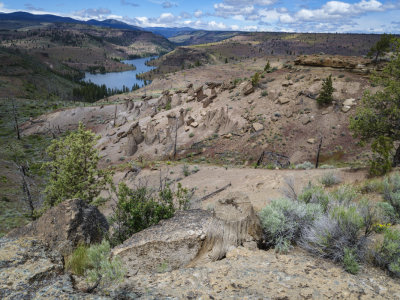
[
  {"x": 339, "y": 229},
  {"x": 345, "y": 194},
  {"x": 325, "y": 97},
  {"x": 372, "y": 186},
  {"x": 391, "y": 191},
  {"x": 387, "y": 254},
  {"x": 387, "y": 213},
  {"x": 314, "y": 194},
  {"x": 283, "y": 220},
  {"x": 255, "y": 79},
  {"x": 264, "y": 93},
  {"x": 77, "y": 262},
  {"x": 330, "y": 179},
  {"x": 350, "y": 263},
  {"x": 305, "y": 166},
  {"x": 185, "y": 170},
  {"x": 96, "y": 264},
  {"x": 103, "y": 270},
  {"x": 140, "y": 208}
]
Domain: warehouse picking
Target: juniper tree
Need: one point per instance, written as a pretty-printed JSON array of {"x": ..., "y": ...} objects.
[
  {"x": 379, "y": 114},
  {"x": 74, "y": 171}
]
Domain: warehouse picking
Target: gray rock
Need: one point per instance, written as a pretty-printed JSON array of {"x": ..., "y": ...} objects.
[
  {"x": 66, "y": 225},
  {"x": 247, "y": 89},
  {"x": 192, "y": 237},
  {"x": 29, "y": 269}
]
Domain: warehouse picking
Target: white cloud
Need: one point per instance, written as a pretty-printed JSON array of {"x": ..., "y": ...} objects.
[
  {"x": 216, "y": 25},
  {"x": 97, "y": 13},
  {"x": 226, "y": 11},
  {"x": 198, "y": 13},
  {"x": 166, "y": 18}
]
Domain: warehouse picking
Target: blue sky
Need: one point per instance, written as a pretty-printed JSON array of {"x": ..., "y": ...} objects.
[{"x": 370, "y": 16}]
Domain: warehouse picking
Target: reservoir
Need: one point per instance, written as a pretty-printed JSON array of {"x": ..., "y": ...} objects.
[{"x": 117, "y": 80}]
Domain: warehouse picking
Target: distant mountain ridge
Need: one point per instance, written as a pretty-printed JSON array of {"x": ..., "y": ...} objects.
[{"x": 24, "y": 16}]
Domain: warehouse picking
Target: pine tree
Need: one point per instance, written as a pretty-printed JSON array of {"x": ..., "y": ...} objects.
[{"x": 325, "y": 96}]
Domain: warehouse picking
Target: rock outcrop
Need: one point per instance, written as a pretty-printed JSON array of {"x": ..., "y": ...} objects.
[
  {"x": 192, "y": 237},
  {"x": 334, "y": 61},
  {"x": 29, "y": 269},
  {"x": 66, "y": 225}
]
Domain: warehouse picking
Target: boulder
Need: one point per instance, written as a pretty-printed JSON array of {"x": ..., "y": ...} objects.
[
  {"x": 66, "y": 225},
  {"x": 176, "y": 100},
  {"x": 247, "y": 89},
  {"x": 192, "y": 237},
  {"x": 29, "y": 269}
]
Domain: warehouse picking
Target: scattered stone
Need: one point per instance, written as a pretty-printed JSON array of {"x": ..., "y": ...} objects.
[
  {"x": 187, "y": 128},
  {"x": 305, "y": 119},
  {"x": 284, "y": 100},
  {"x": 349, "y": 102},
  {"x": 258, "y": 126},
  {"x": 346, "y": 108},
  {"x": 287, "y": 83},
  {"x": 289, "y": 114},
  {"x": 194, "y": 124},
  {"x": 189, "y": 121},
  {"x": 311, "y": 141},
  {"x": 325, "y": 112}
]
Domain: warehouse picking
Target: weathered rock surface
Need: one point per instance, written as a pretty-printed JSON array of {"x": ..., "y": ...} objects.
[
  {"x": 66, "y": 225},
  {"x": 30, "y": 270},
  {"x": 333, "y": 61},
  {"x": 247, "y": 88},
  {"x": 192, "y": 237},
  {"x": 259, "y": 274}
]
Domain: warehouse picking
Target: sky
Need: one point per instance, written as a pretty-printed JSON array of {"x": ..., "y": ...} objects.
[{"x": 359, "y": 16}]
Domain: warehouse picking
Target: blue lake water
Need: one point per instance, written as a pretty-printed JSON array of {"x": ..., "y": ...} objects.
[{"x": 119, "y": 79}]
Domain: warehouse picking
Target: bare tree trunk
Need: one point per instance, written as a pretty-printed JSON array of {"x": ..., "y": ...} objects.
[
  {"x": 318, "y": 152},
  {"x": 396, "y": 157},
  {"x": 16, "y": 120},
  {"x": 176, "y": 137},
  {"x": 27, "y": 190},
  {"x": 115, "y": 115}
]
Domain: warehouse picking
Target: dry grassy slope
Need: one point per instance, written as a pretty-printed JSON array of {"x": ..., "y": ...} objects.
[{"x": 291, "y": 129}]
